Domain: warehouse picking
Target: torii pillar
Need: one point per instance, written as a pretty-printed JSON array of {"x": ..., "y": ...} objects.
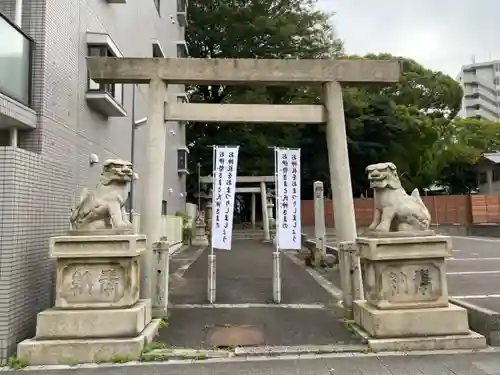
[{"x": 152, "y": 193}]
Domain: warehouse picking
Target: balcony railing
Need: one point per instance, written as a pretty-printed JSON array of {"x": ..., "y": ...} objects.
[{"x": 16, "y": 50}]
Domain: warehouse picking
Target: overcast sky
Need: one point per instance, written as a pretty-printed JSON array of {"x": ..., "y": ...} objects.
[{"x": 440, "y": 34}]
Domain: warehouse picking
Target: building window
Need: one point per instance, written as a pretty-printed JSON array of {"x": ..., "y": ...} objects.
[
  {"x": 113, "y": 89},
  {"x": 497, "y": 67},
  {"x": 157, "y": 5},
  {"x": 182, "y": 51},
  {"x": 496, "y": 81},
  {"x": 482, "y": 177},
  {"x": 182, "y": 160},
  {"x": 157, "y": 50},
  {"x": 496, "y": 175},
  {"x": 163, "y": 208}
]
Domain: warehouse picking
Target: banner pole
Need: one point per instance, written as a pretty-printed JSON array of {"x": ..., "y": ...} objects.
[
  {"x": 276, "y": 253},
  {"x": 211, "y": 257}
]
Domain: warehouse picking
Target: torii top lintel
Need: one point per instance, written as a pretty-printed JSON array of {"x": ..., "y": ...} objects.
[{"x": 242, "y": 71}]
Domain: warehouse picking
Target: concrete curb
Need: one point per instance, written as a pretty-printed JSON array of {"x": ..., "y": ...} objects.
[
  {"x": 297, "y": 350},
  {"x": 256, "y": 358},
  {"x": 183, "y": 354},
  {"x": 482, "y": 320}
]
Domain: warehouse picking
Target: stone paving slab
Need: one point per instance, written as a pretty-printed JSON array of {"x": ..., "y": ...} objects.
[
  {"x": 280, "y": 326},
  {"x": 369, "y": 364},
  {"x": 244, "y": 275}
]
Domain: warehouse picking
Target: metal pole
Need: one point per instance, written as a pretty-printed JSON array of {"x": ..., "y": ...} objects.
[
  {"x": 199, "y": 187},
  {"x": 132, "y": 157},
  {"x": 276, "y": 254},
  {"x": 211, "y": 257}
]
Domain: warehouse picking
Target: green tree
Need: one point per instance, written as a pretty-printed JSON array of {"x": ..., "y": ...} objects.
[
  {"x": 252, "y": 29},
  {"x": 467, "y": 140},
  {"x": 405, "y": 123}
]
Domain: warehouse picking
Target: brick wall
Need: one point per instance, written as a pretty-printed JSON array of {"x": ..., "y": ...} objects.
[{"x": 453, "y": 209}]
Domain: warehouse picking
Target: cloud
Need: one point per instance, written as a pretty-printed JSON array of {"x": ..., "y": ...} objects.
[{"x": 440, "y": 34}]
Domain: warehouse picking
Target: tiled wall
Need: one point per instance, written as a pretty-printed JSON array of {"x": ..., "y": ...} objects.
[
  {"x": 40, "y": 181},
  {"x": 31, "y": 211}
]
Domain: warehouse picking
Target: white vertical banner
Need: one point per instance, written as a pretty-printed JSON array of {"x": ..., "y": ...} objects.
[
  {"x": 288, "y": 210},
  {"x": 226, "y": 163}
]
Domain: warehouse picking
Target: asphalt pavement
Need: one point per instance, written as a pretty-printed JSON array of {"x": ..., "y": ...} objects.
[
  {"x": 244, "y": 291},
  {"x": 473, "y": 271}
]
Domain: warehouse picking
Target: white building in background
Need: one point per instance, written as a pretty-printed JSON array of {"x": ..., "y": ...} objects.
[{"x": 481, "y": 85}]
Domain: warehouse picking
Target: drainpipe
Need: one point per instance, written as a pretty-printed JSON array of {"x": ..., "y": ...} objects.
[
  {"x": 132, "y": 155},
  {"x": 18, "y": 20},
  {"x": 13, "y": 137}
]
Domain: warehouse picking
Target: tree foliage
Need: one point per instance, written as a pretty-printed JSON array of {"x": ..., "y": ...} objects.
[
  {"x": 253, "y": 29},
  {"x": 467, "y": 140},
  {"x": 412, "y": 123}
]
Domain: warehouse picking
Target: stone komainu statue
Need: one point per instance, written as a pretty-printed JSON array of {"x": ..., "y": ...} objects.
[
  {"x": 394, "y": 209},
  {"x": 104, "y": 208}
]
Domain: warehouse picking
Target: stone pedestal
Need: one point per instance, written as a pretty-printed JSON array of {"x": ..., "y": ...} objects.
[
  {"x": 162, "y": 264},
  {"x": 404, "y": 280},
  {"x": 200, "y": 236},
  {"x": 98, "y": 315},
  {"x": 319, "y": 216}
]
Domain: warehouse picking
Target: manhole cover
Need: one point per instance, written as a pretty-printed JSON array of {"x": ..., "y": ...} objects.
[{"x": 229, "y": 336}]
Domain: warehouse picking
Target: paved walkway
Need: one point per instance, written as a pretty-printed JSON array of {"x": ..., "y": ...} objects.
[
  {"x": 244, "y": 276},
  {"x": 455, "y": 364}
]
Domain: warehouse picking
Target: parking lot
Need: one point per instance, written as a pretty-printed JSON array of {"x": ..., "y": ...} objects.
[{"x": 473, "y": 270}]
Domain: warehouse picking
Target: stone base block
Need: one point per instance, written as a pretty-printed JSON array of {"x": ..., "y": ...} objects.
[
  {"x": 70, "y": 324},
  {"x": 438, "y": 321},
  {"x": 97, "y": 246},
  {"x": 472, "y": 340},
  {"x": 97, "y": 283},
  {"x": 200, "y": 241},
  {"x": 389, "y": 247},
  {"x": 97, "y": 271},
  {"x": 54, "y": 352},
  {"x": 404, "y": 272}
]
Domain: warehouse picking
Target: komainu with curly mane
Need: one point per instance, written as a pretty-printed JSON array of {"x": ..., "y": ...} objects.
[
  {"x": 395, "y": 210},
  {"x": 104, "y": 208}
]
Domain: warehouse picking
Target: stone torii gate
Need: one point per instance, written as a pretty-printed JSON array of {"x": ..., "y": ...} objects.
[
  {"x": 262, "y": 190},
  {"x": 157, "y": 72}
]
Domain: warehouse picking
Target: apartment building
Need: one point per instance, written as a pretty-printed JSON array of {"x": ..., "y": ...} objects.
[
  {"x": 481, "y": 85},
  {"x": 56, "y": 126}
]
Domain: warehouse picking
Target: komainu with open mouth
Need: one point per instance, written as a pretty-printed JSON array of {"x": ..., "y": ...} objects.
[
  {"x": 104, "y": 208},
  {"x": 395, "y": 210}
]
